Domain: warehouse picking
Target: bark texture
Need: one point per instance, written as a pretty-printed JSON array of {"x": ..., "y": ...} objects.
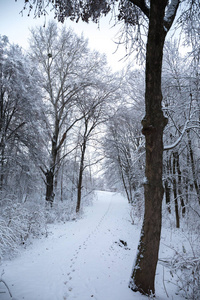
[
  {"x": 50, "y": 173},
  {"x": 143, "y": 275},
  {"x": 49, "y": 188}
]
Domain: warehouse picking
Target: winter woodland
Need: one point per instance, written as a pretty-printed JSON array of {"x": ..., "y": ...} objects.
[{"x": 70, "y": 126}]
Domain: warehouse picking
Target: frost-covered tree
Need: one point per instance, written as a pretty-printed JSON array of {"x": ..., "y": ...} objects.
[
  {"x": 124, "y": 150},
  {"x": 181, "y": 105},
  {"x": 160, "y": 16},
  {"x": 21, "y": 149},
  {"x": 74, "y": 81},
  {"x": 20, "y": 121},
  {"x": 94, "y": 103},
  {"x": 61, "y": 57},
  {"x": 124, "y": 144}
]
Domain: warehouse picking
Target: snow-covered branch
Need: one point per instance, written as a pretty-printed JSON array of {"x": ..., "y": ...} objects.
[{"x": 169, "y": 147}]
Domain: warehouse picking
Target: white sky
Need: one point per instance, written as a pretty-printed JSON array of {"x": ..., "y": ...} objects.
[{"x": 102, "y": 39}]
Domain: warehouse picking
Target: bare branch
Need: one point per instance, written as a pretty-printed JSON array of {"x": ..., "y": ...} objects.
[
  {"x": 65, "y": 133},
  {"x": 18, "y": 127}
]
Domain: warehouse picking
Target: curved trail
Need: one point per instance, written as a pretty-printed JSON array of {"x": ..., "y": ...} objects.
[{"x": 81, "y": 260}]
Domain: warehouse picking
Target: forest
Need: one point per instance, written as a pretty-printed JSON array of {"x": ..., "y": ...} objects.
[{"x": 69, "y": 126}]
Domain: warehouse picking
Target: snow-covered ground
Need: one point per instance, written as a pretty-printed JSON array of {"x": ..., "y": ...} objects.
[{"x": 83, "y": 259}]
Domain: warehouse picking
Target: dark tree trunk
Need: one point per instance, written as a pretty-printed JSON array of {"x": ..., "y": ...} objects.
[
  {"x": 186, "y": 176},
  {"x": 80, "y": 179},
  {"x": 167, "y": 195},
  {"x": 61, "y": 186},
  {"x": 175, "y": 192},
  {"x": 167, "y": 185},
  {"x": 129, "y": 175},
  {"x": 143, "y": 275},
  {"x": 180, "y": 193},
  {"x": 73, "y": 180},
  {"x": 193, "y": 167},
  {"x": 49, "y": 188},
  {"x": 123, "y": 178},
  {"x": 2, "y": 144},
  {"x": 50, "y": 173},
  {"x": 1, "y": 165}
]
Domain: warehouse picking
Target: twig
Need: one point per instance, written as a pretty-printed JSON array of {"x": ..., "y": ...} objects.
[
  {"x": 1, "y": 280},
  {"x": 164, "y": 284}
]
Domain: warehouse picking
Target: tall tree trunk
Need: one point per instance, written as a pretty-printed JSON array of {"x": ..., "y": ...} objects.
[
  {"x": 73, "y": 180},
  {"x": 80, "y": 179},
  {"x": 49, "y": 187},
  {"x": 143, "y": 275},
  {"x": 50, "y": 173},
  {"x": 167, "y": 195},
  {"x": 2, "y": 150},
  {"x": 196, "y": 185},
  {"x": 123, "y": 178},
  {"x": 175, "y": 191},
  {"x": 129, "y": 174},
  {"x": 2, "y": 144},
  {"x": 186, "y": 176},
  {"x": 180, "y": 192},
  {"x": 167, "y": 185},
  {"x": 61, "y": 184}
]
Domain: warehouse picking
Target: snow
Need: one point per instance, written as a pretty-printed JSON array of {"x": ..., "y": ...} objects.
[
  {"x": 172, "y": 7},
  {"x": 83, "y": 259}
]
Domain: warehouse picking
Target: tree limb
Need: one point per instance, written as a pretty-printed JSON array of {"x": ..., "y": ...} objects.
[
  {"x": 142, "y": 5},
  {"x": 19, "y": 126},
  {"x": 65, "y": 133},
  {"x": 169, "y": 147},
  {"x": 171, "y": 13}
]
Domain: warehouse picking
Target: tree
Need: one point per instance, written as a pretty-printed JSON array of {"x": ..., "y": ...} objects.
[
  {"x": 19, "y": 132},
  {"x": 160, "y": 15},
  {"x": 123, "y": 148},
  {"x": 123, "y": 142},
  {"x": 93, "y": 103},
  {"x": 180, "y": 86},
  {"x": 62, "y": 58}
]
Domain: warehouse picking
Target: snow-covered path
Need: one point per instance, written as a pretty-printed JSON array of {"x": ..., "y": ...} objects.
[{"x": 80, "y": 260}]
